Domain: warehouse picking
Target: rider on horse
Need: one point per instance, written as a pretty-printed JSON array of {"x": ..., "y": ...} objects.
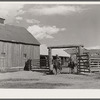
[{"x": 57, "y": 64}]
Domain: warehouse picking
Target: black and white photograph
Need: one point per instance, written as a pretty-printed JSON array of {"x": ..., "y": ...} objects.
[{"x": 49, "y": 45}]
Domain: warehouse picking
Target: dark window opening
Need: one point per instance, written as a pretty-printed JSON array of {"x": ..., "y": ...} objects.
[
  {"x": 3, "y": 54},
  {"x": 25, "y": 55}
]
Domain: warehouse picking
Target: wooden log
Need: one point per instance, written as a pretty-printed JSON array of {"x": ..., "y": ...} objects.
[{"x": 50, "y": 58}]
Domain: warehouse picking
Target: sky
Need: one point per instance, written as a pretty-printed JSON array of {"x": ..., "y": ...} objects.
[{"x": 56, "y": 24}]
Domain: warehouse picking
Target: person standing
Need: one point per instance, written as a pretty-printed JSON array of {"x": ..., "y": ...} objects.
[{"x": 71, "y": 65}]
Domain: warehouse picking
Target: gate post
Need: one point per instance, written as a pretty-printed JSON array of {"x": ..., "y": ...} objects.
[
  {"x": 89, "y": 62},
  {"x": 78, "y": 54},
  {"x": 50, "y": 58}
]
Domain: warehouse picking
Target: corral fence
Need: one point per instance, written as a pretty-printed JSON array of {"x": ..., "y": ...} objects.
[
  {"x": 95, "y": 64},
  {"x": 83, "y": 63},
  {"x": 44, "y": 63},
  {"x": 86, "y": 63}
]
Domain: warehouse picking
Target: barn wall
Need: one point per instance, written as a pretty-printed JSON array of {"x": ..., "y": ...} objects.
[
  {"x": 36, "y": 59},
  {"x": 14, "y": 56}
]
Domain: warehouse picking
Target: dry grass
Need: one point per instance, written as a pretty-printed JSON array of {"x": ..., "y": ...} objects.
[{"x": 37, "y": 80}]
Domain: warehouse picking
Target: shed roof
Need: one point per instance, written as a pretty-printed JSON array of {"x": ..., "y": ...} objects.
[
  {"x": 17, "y": 34},
  {"x": 60, "y": 52}
]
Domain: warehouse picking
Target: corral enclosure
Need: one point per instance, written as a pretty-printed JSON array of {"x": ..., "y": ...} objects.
[
  {"x": 17, "y": 45},
  {"x": 44, "y": 57}
]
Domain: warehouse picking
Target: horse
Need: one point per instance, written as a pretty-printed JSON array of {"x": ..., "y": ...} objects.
[
  {"x": 56, "y": 66},
  {"x": 71, "y": 65}
]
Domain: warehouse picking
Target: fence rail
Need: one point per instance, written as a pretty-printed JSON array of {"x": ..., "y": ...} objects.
[
  {"x": 94, "y": 62},
  {"x": 44, "y": 63}
]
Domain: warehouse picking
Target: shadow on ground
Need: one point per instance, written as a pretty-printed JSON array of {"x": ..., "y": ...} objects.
[
  {"x": 34, "y": 85},
  {"x": 47, "y": 73},
  {"x": 6, "y": 80}
]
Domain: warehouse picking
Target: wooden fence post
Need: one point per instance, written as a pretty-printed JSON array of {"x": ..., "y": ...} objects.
[
  {"x": 79, "y": 59},
  {"x": 89, "y": 62},
  {"x": 50, "y": 58}
]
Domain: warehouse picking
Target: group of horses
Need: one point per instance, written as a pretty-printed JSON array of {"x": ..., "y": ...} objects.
[{"x": 57, "y": 66}]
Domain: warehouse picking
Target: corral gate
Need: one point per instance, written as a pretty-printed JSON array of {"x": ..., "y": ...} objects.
[
  {"x": 83, "y": 63},
  {"x": 82, "y": 60}
]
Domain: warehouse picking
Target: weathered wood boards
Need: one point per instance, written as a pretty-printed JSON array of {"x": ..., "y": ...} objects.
[
  {"x": 83, "y": 63},
  {"x": 14, "y": 55}
]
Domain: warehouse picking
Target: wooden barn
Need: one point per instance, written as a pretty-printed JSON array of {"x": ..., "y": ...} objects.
[{"x": 17, "y": 45}]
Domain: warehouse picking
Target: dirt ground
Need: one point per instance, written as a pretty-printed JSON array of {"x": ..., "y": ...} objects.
[{"x": 41, "y": 80}]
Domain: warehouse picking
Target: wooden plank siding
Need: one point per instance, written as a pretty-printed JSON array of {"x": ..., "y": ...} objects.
[
  {"x": 36, "y": 57},
  {"x": 9, "y": 60},
  {"x": 2, "y": 56},
  {"x": 14, "y": 55}
]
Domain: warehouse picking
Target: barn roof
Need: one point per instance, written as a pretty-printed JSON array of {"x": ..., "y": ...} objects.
[{"x": 17, "y": 34}]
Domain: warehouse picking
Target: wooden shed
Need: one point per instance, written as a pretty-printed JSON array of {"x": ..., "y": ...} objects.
[{"x": 17, "y": 45}]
